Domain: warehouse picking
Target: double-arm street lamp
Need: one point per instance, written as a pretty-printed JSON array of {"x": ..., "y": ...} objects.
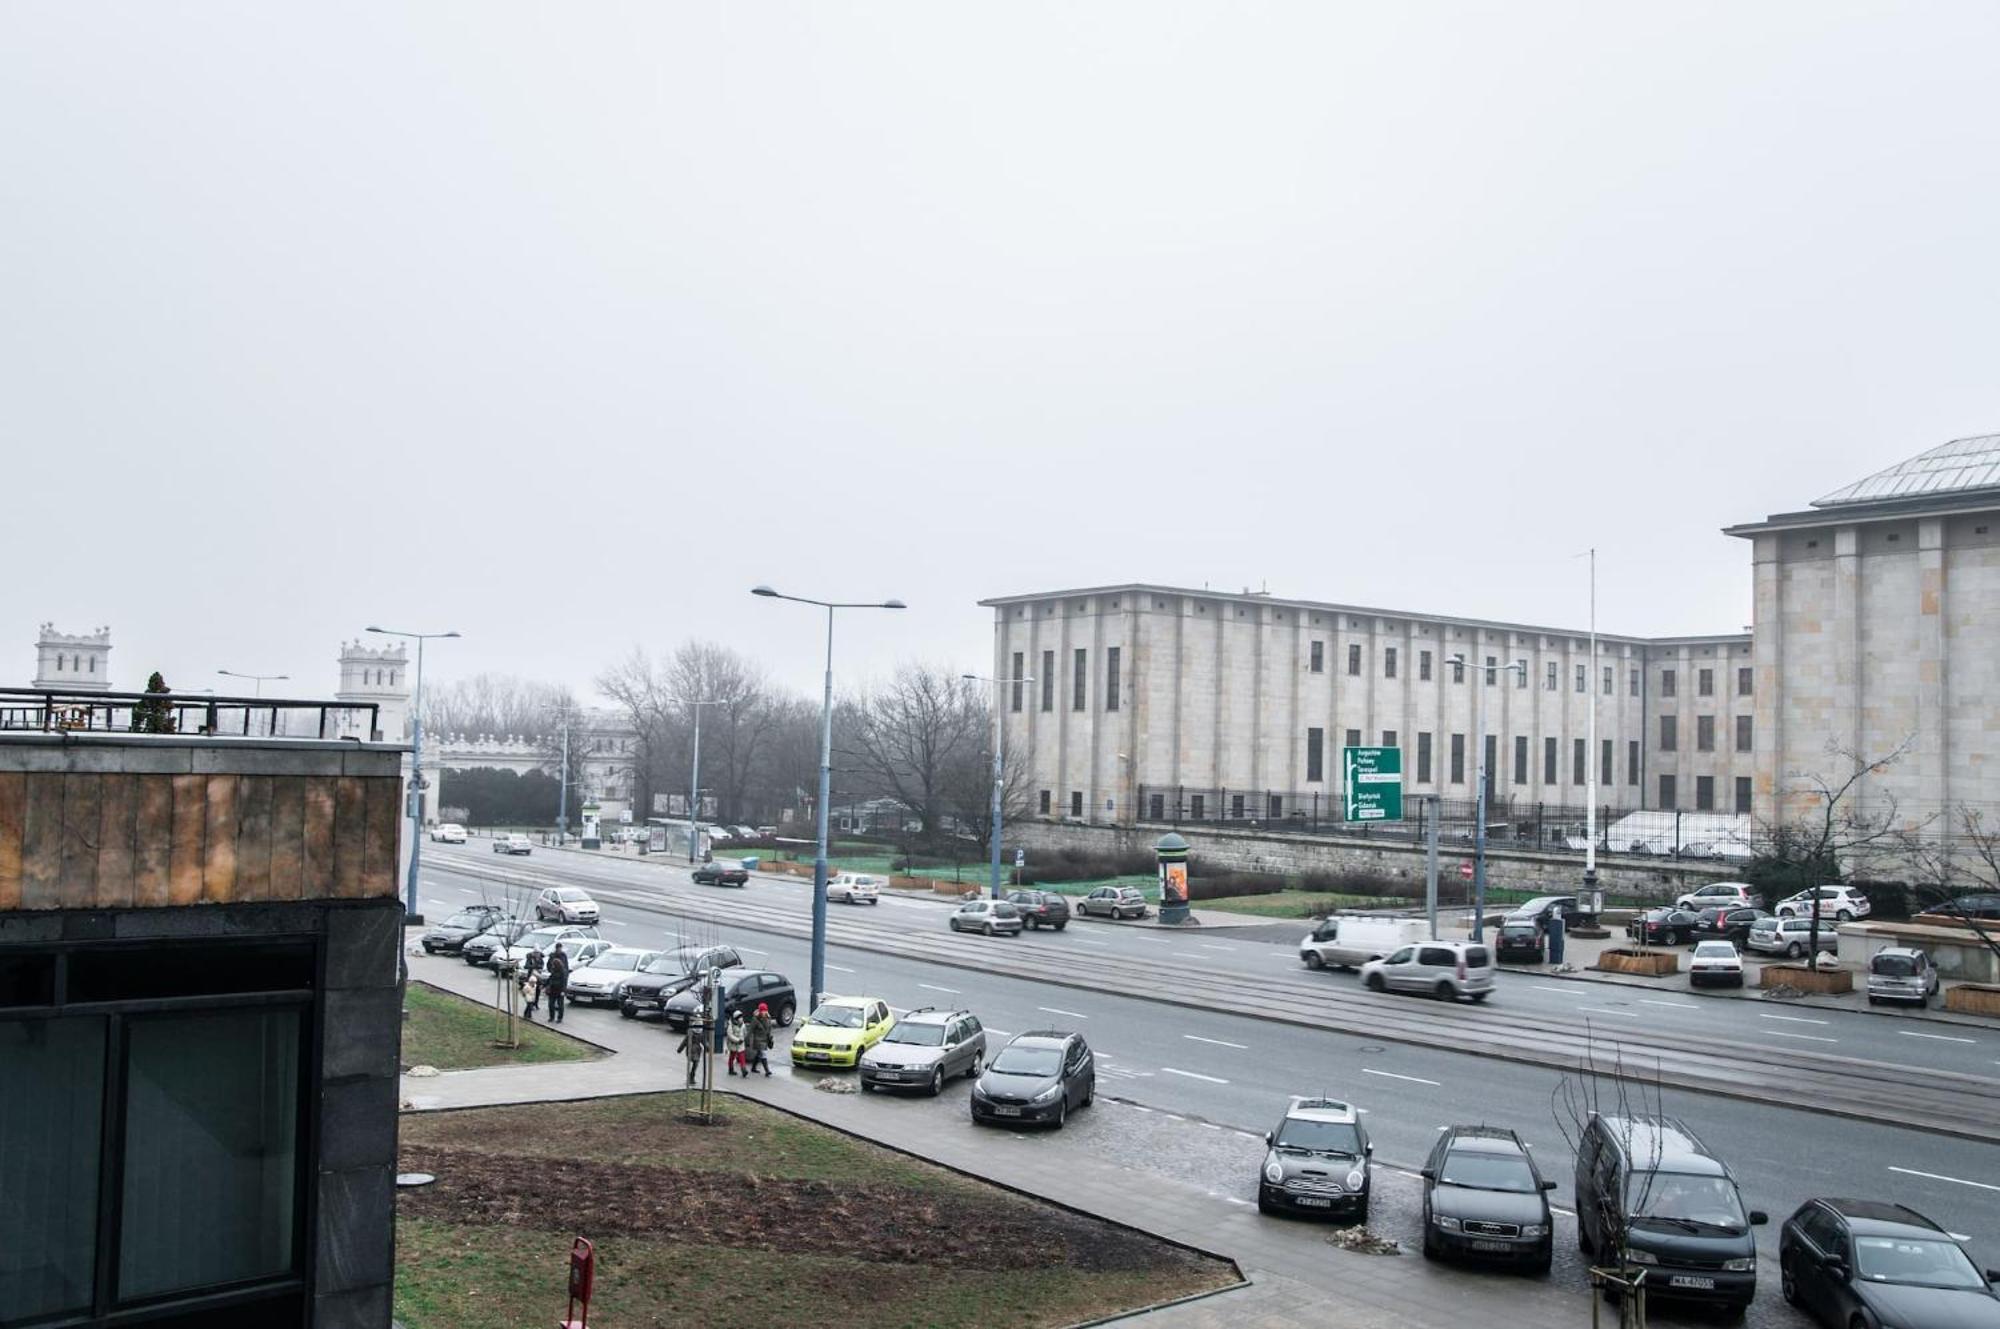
[
  {"x": 999, "y": 776},
  {"x": 259, "y": 679},
  {"x": 825, "y": 774},
  {"x": 416, "y": 760},
  {"x": 694, "y": 776},
  {"x": 1479, "y": 808}
]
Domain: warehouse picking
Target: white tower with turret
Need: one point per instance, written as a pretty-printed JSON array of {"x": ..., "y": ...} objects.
[
  {"x": 378, "y": 674},
  {"x": 80, "y": 663}
]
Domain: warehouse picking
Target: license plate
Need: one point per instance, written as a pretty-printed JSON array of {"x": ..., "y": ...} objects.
[
  {"x": 888, "y": 1075},
  {"x": 816, "y": 1056},
  {"x": 1690, "y": 1280},
  {"x": 1313, "y": 1202},
  {"x": 1492, "y": 1246},
  {"x": 1006, "y": 1112}
]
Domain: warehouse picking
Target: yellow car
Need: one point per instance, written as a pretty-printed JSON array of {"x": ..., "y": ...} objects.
[{"x": 840, "y": 1030}]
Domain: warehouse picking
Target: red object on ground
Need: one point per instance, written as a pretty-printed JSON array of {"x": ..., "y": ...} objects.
[
  {"x": 582, "y": 1275},
  {"x": 1465, "y": 871}
]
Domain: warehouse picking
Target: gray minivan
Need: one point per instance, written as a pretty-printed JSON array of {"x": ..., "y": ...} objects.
[{"x": 1652, "y": 1181}]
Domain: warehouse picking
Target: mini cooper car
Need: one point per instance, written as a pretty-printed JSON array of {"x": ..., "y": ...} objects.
[{"x": 1316, "y": 1161}]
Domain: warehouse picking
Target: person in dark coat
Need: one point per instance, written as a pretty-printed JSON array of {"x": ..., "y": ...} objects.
[
  {"x": 763, "y": 1037},
  {"x": 530, "y": 980},
  {"x": 557, "y": 983}
]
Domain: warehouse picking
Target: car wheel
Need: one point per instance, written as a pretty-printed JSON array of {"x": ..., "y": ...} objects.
[
  {"x": 978, "y": 1064},
  {"x": 1089, "y": 1093},
  {"x": 1544, "y": 1262},
  {"x": 1430, "y": 1243},
  {"x": 1785, "y": 913},
  {"x": 1264, "y": 1206},
  {"x": 1313, "y": 960},
  {"x": 954, "y": 923},
  {"x": 1673, "y": 938},
  {"x": 1445, "y": 992},
  {"x": 1845, "y": 915},
  {"x": 1374, "y": 983},
  {"x": 1478, "y": 997},
  {"x": 1874, "y": 1000},
  {"x": 784, "y": 1015},
  {"x": 937, "y": 1081},
  {"x": 1062, "y": 1111},
  {"x": 989, "y": 929},
  {"x": 1788, "y": 1282},
  {"x": 1060, "y": 926},
  {"x": 1795, "y": 951}
]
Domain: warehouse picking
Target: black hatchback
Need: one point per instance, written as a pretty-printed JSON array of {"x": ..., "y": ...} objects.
[
  {"x": 1868, "y": 1262},
  {"x": 1726, "y": 923},
  {"x": 1038, "y": 1077},
  {"x": 743, "y": 990},
  {"x": 450, "y": 936},
  {"x": 1519, "y": 942},
  {"x": 1041, "y": 909}
]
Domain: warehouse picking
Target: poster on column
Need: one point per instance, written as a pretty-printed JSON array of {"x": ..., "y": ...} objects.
[{"x": 1173, "y": 884}]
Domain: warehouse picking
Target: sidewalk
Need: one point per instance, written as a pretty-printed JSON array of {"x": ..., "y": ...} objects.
[{"x": 1296, "y": 1280}]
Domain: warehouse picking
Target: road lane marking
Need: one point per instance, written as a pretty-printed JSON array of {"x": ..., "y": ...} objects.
[
  {"x": 840, "y": 968},
  {"x": 1942, "y": 1038},
  {"x": 1231, "y": 1199},
  {"x": 1566, "y": 1213},
  {"x": 1210, "y": 1126},
  {"x": 1792, "y": 1019},
  {"x": 462, "y": 890},
  {"x": 1221, "y": 1043},
  {"x": 1217, "y": 946},
  {"x": 935, "y": 988},
  {"x": 1938, "y": 1176},
  {"x": 1544, "y": 987},
  {"x": 1002, "y": 1033},
  {"x": 1055, "y": 1010},
  {"x": 1670, "y": 1005},
  {"x": 618, "y": 923},
  {"x": 1139, "y": 1107},
  {"x": 1606, "y": 1010},
  {"x": 1212, "y": 1079},
  {"x": 1811, "y": 1038},
  {"x": 752, "y": 950},
  {"x": 1098, "y": 944},
  {"x": 1413, "y": 1079}
]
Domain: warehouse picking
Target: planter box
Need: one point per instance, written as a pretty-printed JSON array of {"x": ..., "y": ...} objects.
[
  {"x": 1805, "y": 979},
  {"x": 1650, "y": 963},
  {"x": 1973, "y": 998}
]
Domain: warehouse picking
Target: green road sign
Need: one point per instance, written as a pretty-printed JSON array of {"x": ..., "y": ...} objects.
[{"x": 1373, "y": 788}]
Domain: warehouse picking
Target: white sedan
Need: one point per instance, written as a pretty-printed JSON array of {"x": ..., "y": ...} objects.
[
  {"x": 854, "y": 888},
  {"x": 602, "y": 981},
  {"x": 448, "y": 832},
  {"x": 1715, "y": 962}
]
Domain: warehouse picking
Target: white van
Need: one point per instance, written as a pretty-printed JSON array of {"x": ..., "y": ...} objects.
[{"x": 1348, "y": 941}]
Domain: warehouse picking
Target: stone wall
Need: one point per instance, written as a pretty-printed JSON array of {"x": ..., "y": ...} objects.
[{"x": 1246, "y": 851}]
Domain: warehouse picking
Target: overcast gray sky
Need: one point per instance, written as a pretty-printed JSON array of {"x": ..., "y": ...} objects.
[{"x": 563, "y": 325}]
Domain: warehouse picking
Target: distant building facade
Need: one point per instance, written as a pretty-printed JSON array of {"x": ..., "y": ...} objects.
[{"x": 78, "y": 662}]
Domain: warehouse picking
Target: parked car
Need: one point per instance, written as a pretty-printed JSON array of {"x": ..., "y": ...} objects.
[
  {"x": 565, "y": 904},
  {"x": 1519, "y": 943},
  {"x": 1739, "y": 893},
  {"x": 742, "y": 990},
  {"x": 1663, "y": 927},
  {"x": 839, "y": 1030},
  {"x": 1715, "y": 963},
  {"x": 601, "y": 982},
  {"x": 480, "y": 950},
  {"x": 993, "y": 917},
  {"x": 1843, "y": 903},
  {"x": 1041, "y": 909},
  {"x": 1727, "y": 922},
  {"x": 1114, "y": 902},
  {"x": 448, "y": 832},
  {"x": 1484, "y": 1196},
  {"x": 721, "y": 872},
  {"x": 450, "y": 936},
  {"x": 924, "y": 1049},
  {"x": 1981, "y": 905},
  {"x": 1901, "y": 973},
  {"x": 1347, "y": 941},
  {"x": 579, "y": 943},
  {"x": 1316, "y": 1161},
  {"x": 743, "y": 832},
  {"x": 1869, "y": 1263},
  {"x": 512, "y": 844},
  {"x": 1676, "y": 1204},
  {"x": 1789, "y": 936},
  {"x": 1544, "y": 907},
  {"x": 1448, "y": 969},
  {"x": 648, "y": 990},
  {"x": 854, "y": 888},
  {"x": 1038, "y": 1077}
]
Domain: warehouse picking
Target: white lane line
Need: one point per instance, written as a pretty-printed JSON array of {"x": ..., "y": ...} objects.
[
  {"x": 1231, "y": 1199},
  {"x": 1217, "y": 946},
  {"x": 1606, "y": 1010},
  {"x": 1792, "y": 1019},
  {"x": 1942, "y": 1038},
  {"x": 1413, "y": 1176},
  {"x": 618, "y": 923},
  {"x": 1194, "y": 1075},
  {"x": 1000, "y": 1033},
  {"x": 1544, "y": 987},
  {"x": 1210, "y": 1126},
  {"x": 1938, "y": 1176},
  {"x": 840, "y": 969},
  {"x": 462, "y": 890},
  {"x": 752, "y": 950},
  {"x": 935, "y": 988},
  {"x": 1098, "y": 944},
  {"x": 1056, "y": 1010},
  {"x": 1221, "y": 1043},
  {"x": 1811, "y": 1038},
  {"x": 1413, "y": 1079},
  {"x": 1248, "y": 1135},
  {"x": 1139, "y": 1107},
  {"x": 1959, "y": 1236},
  {"x": 1566, "y": 1213},
  {"x": 1670, "y": 1005}
]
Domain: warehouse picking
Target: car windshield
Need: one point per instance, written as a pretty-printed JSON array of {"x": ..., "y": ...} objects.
[
  {"x": 570, "y": 895},
  {"x": 1321, "y": 1137},
  {"x": 1924, "y": 1263},
  {"x": 917, "y": 1035},
  {"x": 1488, "y": 1172},
  {"x": 615, "y": 961},
  {"x": 1720, "y": 950},
  {"x": 1005, "y": 910},
  {"x": 1683, "y": 1199},
  {"x": 464, "y": 920},
  {"x": 1536, "y": 905},
  {"x": 1893, "y": 966},
  {"x": 839, "y": 1017},
  {"x": 668, "y": 963},
  {"x": 1015, "y": 1060},
  {"x": 541, "y": 937}
]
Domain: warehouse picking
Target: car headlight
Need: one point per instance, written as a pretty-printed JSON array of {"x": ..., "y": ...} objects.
[
  {"x": 1535, "y": 1230},
  {"x": 1639, "y": 1257},
  {"x": 1274, "y": 1171},
  {"x": 1446, "y": 1222},
  {"x": 1742, "y": 1265},
  {"x": 1047, "y": 1095}
]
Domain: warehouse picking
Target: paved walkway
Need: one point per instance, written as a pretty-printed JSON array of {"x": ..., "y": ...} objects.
[{"x": 1295, "y": 1277}]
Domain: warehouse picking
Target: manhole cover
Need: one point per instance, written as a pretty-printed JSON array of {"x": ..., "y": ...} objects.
[
  {"x": 414, "y": 1178},
  {"x": 1371, "y": 1047}
]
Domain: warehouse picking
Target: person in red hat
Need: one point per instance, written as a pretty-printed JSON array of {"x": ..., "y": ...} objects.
[{"x": 763, "y": 1037}]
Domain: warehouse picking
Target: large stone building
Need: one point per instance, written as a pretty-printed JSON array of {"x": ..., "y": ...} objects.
[{"x": 1876, "y": 634}]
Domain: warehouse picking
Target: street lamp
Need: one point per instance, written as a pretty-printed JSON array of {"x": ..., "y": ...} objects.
[
  {"x": 562, "y": 710},
  {"x": 694, "y": 777},
  {"x": 998, "y": 777},
  {"x": 260, "y": 679},
  {"x": 416, "y": 763},
  {"x": 825, "y": 774},
  {"x": 1479, "y": 807}
]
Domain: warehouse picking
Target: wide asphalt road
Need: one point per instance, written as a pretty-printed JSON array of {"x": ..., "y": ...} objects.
[{"x": 1223, "y": 1076}]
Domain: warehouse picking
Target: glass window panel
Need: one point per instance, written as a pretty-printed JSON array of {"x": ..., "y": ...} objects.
[{"x": 50, "y": 1115}]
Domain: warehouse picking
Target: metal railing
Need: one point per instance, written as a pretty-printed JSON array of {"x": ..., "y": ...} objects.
[{"x": 55, "y": 710}]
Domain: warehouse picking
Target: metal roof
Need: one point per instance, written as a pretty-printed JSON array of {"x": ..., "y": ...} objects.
[{"x": 1959, "y": 466}]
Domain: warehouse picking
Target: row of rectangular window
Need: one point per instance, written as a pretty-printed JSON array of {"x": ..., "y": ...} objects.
[
  {"x": 1704, "y": 733},
  {"x": 1316, "y": 757},
  {"x": 1079, "y": 680},
  {"x": 1704, "y": 682},
  {"x": 1704, "y": 793}
]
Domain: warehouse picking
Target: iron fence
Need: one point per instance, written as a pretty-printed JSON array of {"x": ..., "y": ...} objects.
[{"x": 53, "y": 710}]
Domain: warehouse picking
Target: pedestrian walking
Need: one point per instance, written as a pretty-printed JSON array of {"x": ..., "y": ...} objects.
[
  {"x": 557, "y": 983},
  {"x": 694, "y": 1042},
  {"x": 763, "y": 1037},
  {"x": 530, "y": 980},
  {"x": 735, "y": 1037}
]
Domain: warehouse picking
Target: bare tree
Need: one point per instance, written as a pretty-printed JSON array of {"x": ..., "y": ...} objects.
[
  {"x": 1946, "y": 864},
  {"x": 498, "y": 704},
  {"x": 1621, "y": 1097},
  {"x": 736, "y": 721},
  {"x": 968, "y": 787},
  {"x": 640, "y": 693},
  {"x": 912, "y": 734}
]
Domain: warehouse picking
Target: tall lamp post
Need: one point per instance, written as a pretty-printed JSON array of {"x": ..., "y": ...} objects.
[
  {"x": 1479, "y": 807},
  {"x": 260, "y": 679},
  {"x": 562, "y": 710},
  {"x": 999, "y": 776},
  {"x": 694, "y": 776},
  {"x": 416, "y": 762},
  {"x": 825, "y": 774}
]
